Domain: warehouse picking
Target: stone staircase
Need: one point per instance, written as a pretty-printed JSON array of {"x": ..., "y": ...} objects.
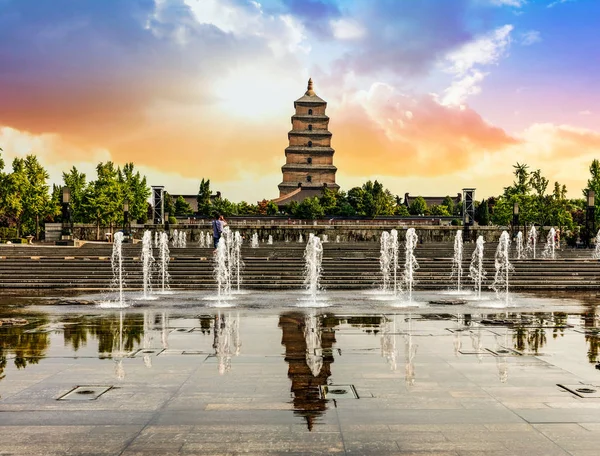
[{"x": 280, "y": 266}]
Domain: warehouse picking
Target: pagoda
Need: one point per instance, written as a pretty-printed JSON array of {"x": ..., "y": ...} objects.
[{"x": 308, "y": 165}]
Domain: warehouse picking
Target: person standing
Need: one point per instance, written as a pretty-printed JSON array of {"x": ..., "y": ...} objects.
[{"x": 217, "y": 227}]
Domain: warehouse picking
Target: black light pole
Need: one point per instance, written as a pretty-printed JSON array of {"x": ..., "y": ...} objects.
[
  {"x": 66, "y": 212},
  {"x": 126, "y": 218},
  {"x": 590, "y": 217},
  {"x": 167, "y": 224},
  {"x": 515, "y": 221}
]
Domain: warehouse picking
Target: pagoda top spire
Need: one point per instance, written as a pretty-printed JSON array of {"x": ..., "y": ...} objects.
[{"x": 310, "y": 92}]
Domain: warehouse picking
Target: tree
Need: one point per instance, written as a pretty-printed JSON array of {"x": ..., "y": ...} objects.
[
  {"x": 103, "y": 201},
  {"x": 76, "y": 182},
  {"x": 182, "y": 207},
  {"x": 135, "y": 189},
  {"x": 449, "y": 204},
  {"x": 36, "y": 200},
  {"x": 418, "y": 206},
  {"x": 310, "y": 208},
  {"x": 482, "y": 213},
  {"x": 440, "y": 210},
  {"x": 204, "y": 202},
  {"x": 402, "y": 210},
  {"x": 522, "y": 185}
]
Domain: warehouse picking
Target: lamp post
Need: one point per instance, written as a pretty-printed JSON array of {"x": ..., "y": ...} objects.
[
  {"x": 515, "y": 220},
  {"x": 66, "y": 213},
  {"x": 126, "y": 218},
  {"x": 590, "y": 217},
  {"x": 167, "y": 223}
]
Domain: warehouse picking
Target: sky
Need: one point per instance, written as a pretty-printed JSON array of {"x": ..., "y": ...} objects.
[{"x": 427, "y": 96}]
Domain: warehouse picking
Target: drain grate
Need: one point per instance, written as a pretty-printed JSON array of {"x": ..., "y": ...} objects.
[
  {"x": 85, "y": 393},
  {"x": 585, "y": 391},
  {"x": 504, "y": 351},
  {"x": 338, "y": 392},
  {"x": 147, "y": 352}
]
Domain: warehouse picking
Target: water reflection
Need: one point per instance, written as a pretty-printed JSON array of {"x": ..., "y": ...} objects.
[
  {"x": 298, "y": 332},
  {"x": 389, "y": 347},
  {"x": 23, "y": 345},
  {"x": 227, "y": 341}
]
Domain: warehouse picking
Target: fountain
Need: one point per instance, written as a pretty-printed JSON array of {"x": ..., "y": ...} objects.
[
  {"x": 175, "y": 240},
  {"x": 457, "y": 269},
  {"x": 324, "y": 238},
  {"x": 201, "y": 241},
  {"x": 116, "y": 261},
  {"x": 550, "y": 247},
  {"x": 208, "y": 239},
  {"x": 385, "y": 260},
  {"x": 156, "y": 239},
  {"x": 254, "y": 241},
  {"x": 476, "y": 271},
  {"x": 300, "y": 238},
  {"x": 222, "y": 271},
  {"x": 182, "y": 239},
  {"x": 596, "y": 254},
  {"x": 228, "y": 262},
  {"x": 519, "y": 246},
  {"x": 313, "y": 257},
  {"x": 503, "y": 266},
  {"x": 410, "y": 261},
  {"x": 270, "y": 240},
  {"x": 163, "y": 266},
  {"x": 337, "y": 239},
  {"x": 147, "y": 263},
  {"x": 531, "y": 242}
]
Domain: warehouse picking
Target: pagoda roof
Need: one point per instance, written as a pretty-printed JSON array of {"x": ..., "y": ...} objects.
[
  {"x": 310, "y": 132},
  {"x": 307, "y": 167},
  {"x": 310, "y": 97}
]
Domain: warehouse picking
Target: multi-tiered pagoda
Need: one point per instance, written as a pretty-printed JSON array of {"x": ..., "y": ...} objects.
[{"x": 309, "y": 157}]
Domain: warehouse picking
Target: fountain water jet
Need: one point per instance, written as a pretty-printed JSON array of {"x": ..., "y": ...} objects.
[
  {"x": 476, "y": 271},
  {"x": 270, "y": 240},
  {"x": 147, "y": 263},
  {"x": 550, "y": 247},
  {"x": 300, "y": 238},
  {"x": 519, "y": 246},
  {"x": 254, "y": 241},
  {"x": 410, "y": 261},
  {"x": 324, "y": 238},
  {"x": 164, "y": 257},
  {"x": 175, "y": 241},
  {"x": 313, "y": 257},
  {"x": 503, "y": 266},
  {"x": 384, "y": 260},
  {"x": 337, "y": 239},
  {"x": 530, "y": 247},
  {"x": 457, "y": 269},
  {"x": 208, "y": 239},
  {"x": 182, "y": 239},
  {"x": 596, "y": 254},
  {"x": 116, "y": 261}
]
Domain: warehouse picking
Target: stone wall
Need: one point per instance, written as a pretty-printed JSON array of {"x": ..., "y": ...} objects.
[{"x": 282, "y": 232}]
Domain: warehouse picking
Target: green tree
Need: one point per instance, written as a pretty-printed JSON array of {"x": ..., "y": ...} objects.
[
  {"x": 272, "y": 208},
  {"x": 418, "y": 206},
  {"x": 103, "y": 200},
  {"x": 134, "y": 188},
  {"x": 36, "y": 199},
  {"x": 482, "y": 213},
  {"x": 204, "y": 202},
  {"x": 77, "y": 184},
  {"x": 439, "y": 210},
  {"x": 182, "y": 207},
  {"x": 449, "y": 204},
  {"x": 402, "y": 210},
  {"x": 310, "y": 208}
]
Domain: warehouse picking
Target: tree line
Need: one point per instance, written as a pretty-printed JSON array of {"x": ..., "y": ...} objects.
[{"x": 27, "y": 201}]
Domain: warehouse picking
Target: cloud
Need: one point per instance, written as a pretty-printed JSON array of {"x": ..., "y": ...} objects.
[
  {"x": 514, "y": 3},
  {"x": 558, "y": 2},
  {"x": 403, "y": 36},
  {"x": 406, "y": 135},
  {"x": 344, "y": 29},
  {"x": 463, "y": 62},
  {"x": 530, "y": 37},
  {"x": 84, "y": 68},
  {"x": 585, "y": 112}
]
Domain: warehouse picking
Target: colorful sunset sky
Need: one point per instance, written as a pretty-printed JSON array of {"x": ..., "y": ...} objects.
[{"x": 426, "y": 96}]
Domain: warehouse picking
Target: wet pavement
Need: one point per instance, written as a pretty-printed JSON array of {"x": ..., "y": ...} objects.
[{"x": 270, "y": 374}]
